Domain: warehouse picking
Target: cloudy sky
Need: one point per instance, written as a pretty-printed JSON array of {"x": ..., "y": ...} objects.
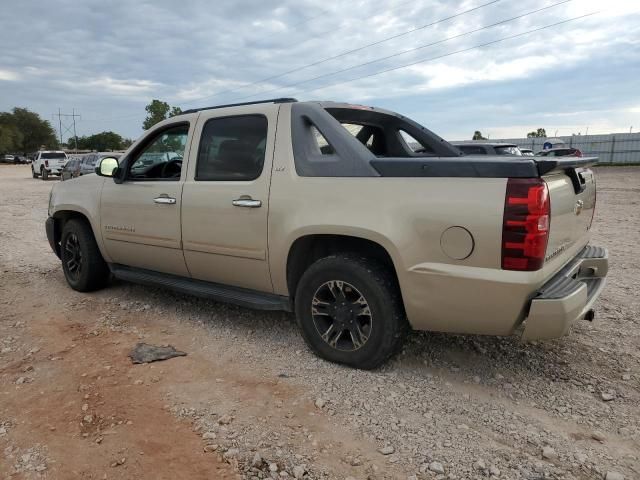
[{"x": 109, "y": 59}]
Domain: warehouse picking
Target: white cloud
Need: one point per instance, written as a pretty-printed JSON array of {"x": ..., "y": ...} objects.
[
  {"x": 109, "y": 63},
  {"x": 114, "y": 86},
  {"x": 443, "y": 75},
  {"x": 9, "y": 75}
]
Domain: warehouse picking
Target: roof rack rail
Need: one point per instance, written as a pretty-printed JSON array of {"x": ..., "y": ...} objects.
[{"x": 272, "y": 100}]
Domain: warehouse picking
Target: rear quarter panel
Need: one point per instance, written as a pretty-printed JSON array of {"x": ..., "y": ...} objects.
[{"x": 406, "y": 216}]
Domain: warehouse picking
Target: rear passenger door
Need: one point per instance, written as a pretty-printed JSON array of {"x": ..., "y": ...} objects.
[{"x": 225, "y": 200}]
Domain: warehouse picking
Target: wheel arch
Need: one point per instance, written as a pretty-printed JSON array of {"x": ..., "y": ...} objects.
[
  {"x": 306, "y": 249},
  {"x": 62, "y": 216}
]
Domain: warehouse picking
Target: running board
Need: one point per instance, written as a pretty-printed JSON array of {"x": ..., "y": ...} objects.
[{"x": 213, "y": 291}]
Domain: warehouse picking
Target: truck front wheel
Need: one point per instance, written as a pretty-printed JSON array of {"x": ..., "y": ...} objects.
[
  {"x": 33, "y": 172},
  {"x": 350, "y": 311},
  {"x": 82, "y": 263},
  {"x": 44, "y": 173}
]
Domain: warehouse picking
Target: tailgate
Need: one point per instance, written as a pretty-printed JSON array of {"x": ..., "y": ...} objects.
[
  {"x": 572, "y": 193},
  {"x": 56, "y": 162}
]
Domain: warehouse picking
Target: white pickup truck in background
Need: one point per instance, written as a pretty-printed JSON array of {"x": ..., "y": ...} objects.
[{"x": 48, "y": 162}]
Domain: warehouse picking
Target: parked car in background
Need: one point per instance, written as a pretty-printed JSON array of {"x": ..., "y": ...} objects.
[
  {"x": 89, "y": 161},
  {"x": 488, "y": 148},
  {"x": 152, "y": 159},
  {"x": 71, "y": 169},
  {"x": 340, "y": 218},
  {"x": 526, "y": 152},
  {"x": 48, "y": 162},
  {"x": 560, "y": 152},
  {"x": 7, "y": 158}
]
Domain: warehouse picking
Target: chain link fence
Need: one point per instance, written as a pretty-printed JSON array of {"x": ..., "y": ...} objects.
[{"x": 622, "y": 148}]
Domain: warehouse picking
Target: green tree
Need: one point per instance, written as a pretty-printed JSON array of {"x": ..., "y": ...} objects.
[
  {"x": 157, "y": 111},
  {"x": 28, "y": 131},
  {"x": 10, "y": 139},
  {"x": 103, "y": 141},
  {"x": 477, "y": 135},
  {"x": 35, "y": 131},
  {"x": 541, "y": 132}
]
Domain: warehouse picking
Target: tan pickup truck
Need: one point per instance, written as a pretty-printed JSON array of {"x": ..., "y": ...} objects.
[{"x": 359, "y": 219}]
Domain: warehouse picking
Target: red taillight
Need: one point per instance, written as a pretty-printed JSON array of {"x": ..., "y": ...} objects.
[
  {"x": 46, "y": 163},
  {"x": 525, "y": 224}
]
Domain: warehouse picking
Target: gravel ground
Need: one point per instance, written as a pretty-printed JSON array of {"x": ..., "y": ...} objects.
[{"x": 251, "y": 399}]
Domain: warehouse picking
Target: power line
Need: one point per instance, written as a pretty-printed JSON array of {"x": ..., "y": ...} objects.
[
  {"x": 420, "y": 47},
  {"x": 493, "y": 42},
  {"x": 347, "y": 52},
  {"x": 319, "y": 61}
]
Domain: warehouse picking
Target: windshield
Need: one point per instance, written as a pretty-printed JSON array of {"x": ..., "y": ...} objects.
[
  {"x": 53, "y": 155},
  {"x": 508, "y": 150}
]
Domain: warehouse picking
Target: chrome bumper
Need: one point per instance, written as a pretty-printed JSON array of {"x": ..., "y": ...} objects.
[{"x": 569, "y": 295}]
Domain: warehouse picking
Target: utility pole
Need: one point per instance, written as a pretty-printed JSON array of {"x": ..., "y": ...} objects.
[
  {"x": 68, "y": 124},
  {"x": 60, "y": 122},
  {"x": 75, "y": 136}
]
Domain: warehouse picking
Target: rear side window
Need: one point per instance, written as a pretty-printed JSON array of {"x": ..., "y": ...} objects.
[
  {"x": 322, "y": 144},
  {"x": 232, "y": 148},
  {"x": 414, "y": 145}
]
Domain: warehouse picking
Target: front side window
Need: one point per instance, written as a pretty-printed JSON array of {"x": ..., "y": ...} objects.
[
  {"x": 232, "y": 148},
  {"x": 161, "y": 157}
]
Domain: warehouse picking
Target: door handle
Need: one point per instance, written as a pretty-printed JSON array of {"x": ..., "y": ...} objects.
[
  {"x": 165, "y": 200},
  {"x": 246, "y": 202}
]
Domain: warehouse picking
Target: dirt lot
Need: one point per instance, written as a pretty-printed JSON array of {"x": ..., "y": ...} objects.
[{"x": 250, "y": 401}]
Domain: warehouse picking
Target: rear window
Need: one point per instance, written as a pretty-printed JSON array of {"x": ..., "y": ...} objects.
[
  {"x": 508, "y": 150},
  {"x": 472, "y": 150},
  {"x": 53, "y": 155}
]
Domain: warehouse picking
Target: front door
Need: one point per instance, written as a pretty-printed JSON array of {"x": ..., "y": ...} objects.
[
  {"x": 140, "y": 217},
  {"x": 226, "y": 197}
]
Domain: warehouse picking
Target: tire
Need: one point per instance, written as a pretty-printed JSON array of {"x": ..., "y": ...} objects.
[
  {"x": 82, "y": 263},
  {"x": 369, "y": 335},
  {"x": 33, "y": 172},
  {"x": 44, "y": 173}
]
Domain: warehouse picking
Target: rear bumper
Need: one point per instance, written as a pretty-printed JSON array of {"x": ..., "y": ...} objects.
[{"x": 568, "y": 296}]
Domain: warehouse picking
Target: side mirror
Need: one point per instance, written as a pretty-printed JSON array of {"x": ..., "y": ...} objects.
[{"x": 107, "y": 166}]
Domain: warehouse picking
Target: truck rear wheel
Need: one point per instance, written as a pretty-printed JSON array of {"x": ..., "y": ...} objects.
[
  {"x": 82, "y": 263},
  {"x": 350, "y": 311}
]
